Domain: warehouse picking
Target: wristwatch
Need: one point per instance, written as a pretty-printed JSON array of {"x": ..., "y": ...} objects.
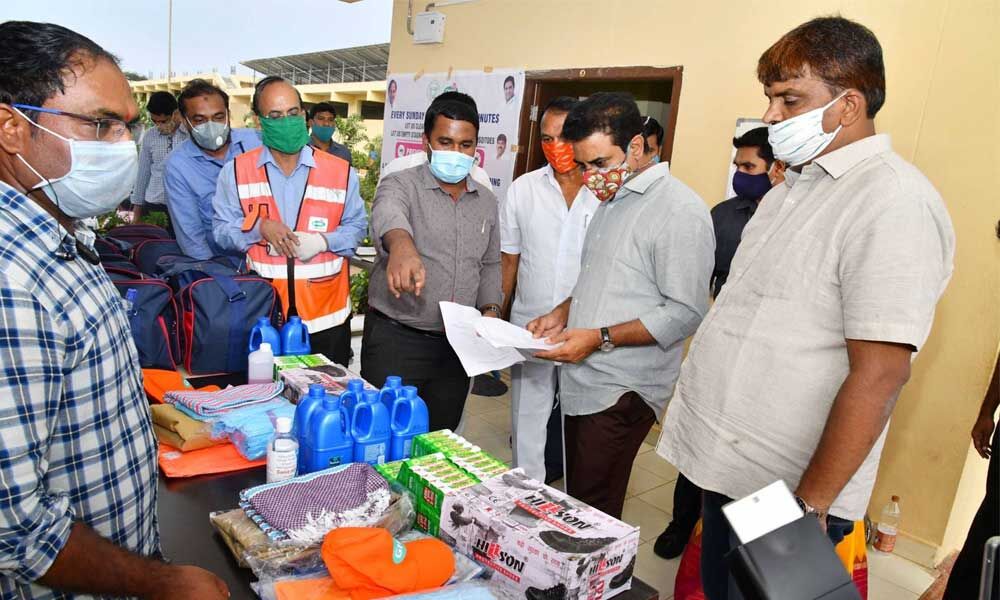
[
  {"x": 606, "y": 344},
  {"x": 810, "y": 510}
]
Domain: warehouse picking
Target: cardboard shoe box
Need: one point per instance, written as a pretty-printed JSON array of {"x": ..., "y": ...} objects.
[
  {"x": 536, "y": 539},
  {"x": 319, "y": 369}
]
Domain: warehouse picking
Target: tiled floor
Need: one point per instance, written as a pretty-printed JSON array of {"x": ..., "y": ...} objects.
[{"x": 650, "y": 501}]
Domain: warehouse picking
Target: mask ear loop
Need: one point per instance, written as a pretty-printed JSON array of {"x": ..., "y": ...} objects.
[{"x": 45, "y": 181}]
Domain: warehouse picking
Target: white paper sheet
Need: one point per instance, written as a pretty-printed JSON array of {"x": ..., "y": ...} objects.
[
  {"x": 502, "y": 334},
  {"x": 477, "y": 355}
]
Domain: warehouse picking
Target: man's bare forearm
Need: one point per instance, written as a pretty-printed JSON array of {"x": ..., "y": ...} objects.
[
  {"x": 398, "y": 240},
  {"x": 90, "y": 564},
  {"x": 859, "y": 414},
  {"x": 508, "y": 265},
  {"x": 992, "y": 398},
  {"x": 631, "y": 333}
]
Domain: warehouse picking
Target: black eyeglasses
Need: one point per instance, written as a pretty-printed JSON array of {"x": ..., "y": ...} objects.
[{"x": 106, "y": 129}]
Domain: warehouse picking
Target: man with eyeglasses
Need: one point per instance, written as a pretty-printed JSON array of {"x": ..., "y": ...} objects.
[
  {"x": 78, "y": 454},
  {"x": 193, "y": 169},
  {"x": 149, "y": 195},
  {"x": 288, "y": 201}
]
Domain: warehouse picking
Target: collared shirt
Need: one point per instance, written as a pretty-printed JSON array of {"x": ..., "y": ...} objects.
[
  {"x": 647, "y": 256},
  {"x": 409, "y": 161},
  {"x": 338, "y": 150},
  {"x": 288, "y": 191},
  {"x": 859, "y": 247},
  {"x": 191, "y": 178},
  {"x": 536, "y": 224},
  {"x": 458, "y": 242},
  {"x": 77, "y": 441},
  {"x": 153, "y": 153},
  {"x": 729, "y": 218}
]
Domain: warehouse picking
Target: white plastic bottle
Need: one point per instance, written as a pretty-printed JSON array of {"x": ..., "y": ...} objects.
[
  {"x": 260, "y": 365},
  {"x": 888, "y": 526},
  {"x": 282, "y": 452}
]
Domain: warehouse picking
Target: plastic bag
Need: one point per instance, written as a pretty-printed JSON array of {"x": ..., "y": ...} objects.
[{"x": 251, "y": 428}]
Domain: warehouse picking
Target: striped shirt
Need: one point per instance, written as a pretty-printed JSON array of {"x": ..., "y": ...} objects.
[
  {"x": 78, "y": 442},
  {"x": 149, "y": 187}
]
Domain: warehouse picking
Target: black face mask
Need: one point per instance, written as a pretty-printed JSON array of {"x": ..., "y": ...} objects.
[{"x": 751, "y": 186}]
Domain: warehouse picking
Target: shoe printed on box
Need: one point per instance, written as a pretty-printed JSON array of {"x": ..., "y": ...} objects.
[{"x": 557, "y": 592}]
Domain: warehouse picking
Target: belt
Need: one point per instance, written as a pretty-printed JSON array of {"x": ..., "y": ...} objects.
[{"x": 385, "y": 317}]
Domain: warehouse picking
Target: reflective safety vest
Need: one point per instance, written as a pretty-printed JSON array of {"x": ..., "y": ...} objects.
[{"x": 322, "y": 285}]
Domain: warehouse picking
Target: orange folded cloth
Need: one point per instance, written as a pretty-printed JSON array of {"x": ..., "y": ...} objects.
[
  {"x": 322, "y": 588},
  {"x": 217, "y": 459},
  {"x": 369, "y": 563},
  {"x": 157, "y": 382}
]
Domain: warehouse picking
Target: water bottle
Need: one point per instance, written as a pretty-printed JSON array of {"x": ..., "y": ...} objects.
[
  {"x": 392, "y": 389},
  {"x": 307, "y": 408},
  {"x": 888, "y": 526},
  {"x": 370, "y": 426},
  {"x": 352, "y": 396},
  {"x": 295, "y": 337},
  {"x": 282, "y": 452},
  {"x": 329, "y": 442},
  {"x": 263, "y": 331},
  {"x": 260, "y": 365},
  {"x": 409, "y": 418}
]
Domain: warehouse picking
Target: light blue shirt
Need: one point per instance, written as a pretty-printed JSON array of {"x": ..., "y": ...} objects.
[
  {"x": 287, "y": 191},
  {"x": 191, "y": 177}
]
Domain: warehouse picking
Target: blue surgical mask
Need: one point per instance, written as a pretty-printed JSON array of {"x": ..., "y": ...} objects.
[
  {"x": 800, "y": 139},
  {"x": 322, "y": 133},
  {"x": 450, "y": 166}
]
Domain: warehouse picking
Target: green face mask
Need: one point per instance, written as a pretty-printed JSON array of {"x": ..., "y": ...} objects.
[{"x": 285, "y": 134}]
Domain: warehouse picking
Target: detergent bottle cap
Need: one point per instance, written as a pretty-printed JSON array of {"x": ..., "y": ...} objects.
[
  {"x": 331, "y": 402},
  {"x": 263, "y": 321},
  {"x": 393, "y": 381},
  {"x": 355, "y": 385},
  {"x": 409, "y": 391},
  {"x": 316, "y": 390},
  {"x": 370, "y": 396}
]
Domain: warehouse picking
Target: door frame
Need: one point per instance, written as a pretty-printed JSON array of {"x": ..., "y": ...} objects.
[{"x": 534, "y": 80}]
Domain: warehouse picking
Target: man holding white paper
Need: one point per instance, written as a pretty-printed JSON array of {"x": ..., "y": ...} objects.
[{"x": 542, "y": 226}]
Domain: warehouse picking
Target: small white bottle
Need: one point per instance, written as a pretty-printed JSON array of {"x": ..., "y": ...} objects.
[
  {"x": 260, "y": 365},
  {"x": 282, "y": 452},
  {"x": 888, "y": 527}
]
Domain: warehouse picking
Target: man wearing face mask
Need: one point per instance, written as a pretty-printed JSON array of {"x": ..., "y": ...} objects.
[
  {"x": 756, "y": 173},
  {"x": 642, "y": 290},
  {"x": 437, "y": 237},
  {"x": 545, "y": 216},
  {"x": 652, "y": 136},
  {"x": 193, "y": 170},
  {"x": 150, "y": 195},
  {"x": 322, "y": 125},
  {"x": 287, "y": 200},
  {"x": 832, "y": 291},
  {"x": 78, "y": 475}
]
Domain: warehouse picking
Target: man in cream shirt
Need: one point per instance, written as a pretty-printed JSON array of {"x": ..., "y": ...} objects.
[{"x": 796, "y": 369}]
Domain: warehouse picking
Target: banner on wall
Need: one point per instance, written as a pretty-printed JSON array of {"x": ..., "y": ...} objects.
[{"x": 498, "y": 95}]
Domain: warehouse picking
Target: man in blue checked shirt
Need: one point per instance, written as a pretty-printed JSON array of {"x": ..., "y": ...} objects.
[
  {"x": 78, "y": 455},
  {"x": 150, "y": 195}
]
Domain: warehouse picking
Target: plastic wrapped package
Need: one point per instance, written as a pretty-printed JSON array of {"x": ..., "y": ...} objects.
[
  {"x": 323, "y": 588},
  {"x": 272, "y": 559},
  {"x": 250, "y": 429}
]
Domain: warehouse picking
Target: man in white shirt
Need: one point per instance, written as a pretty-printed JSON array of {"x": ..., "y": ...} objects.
[
  {"x": 542, "y": 226},
  {"x": 797, "y": 367},
  {"x": 479, "y": 174}
]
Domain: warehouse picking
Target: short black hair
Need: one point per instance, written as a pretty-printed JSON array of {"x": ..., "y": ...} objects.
[
  {"x": 613, "y": 113},
  {"x": 322, "y": 107},
  {"x": 453, "y": 105},
  {"x": 561, "y": 104},
  {"x": 651, "y": 127},
  {"x": 197, "y": 88},
  {"x": 509, "y": 78},
  {"x": 756, "y": 138},
  {"x": 262, "y": 85},
  {"x": 161, "y": 103},
  {"x": 502, "y": 136},
  {"x": 38, "y": 59}
]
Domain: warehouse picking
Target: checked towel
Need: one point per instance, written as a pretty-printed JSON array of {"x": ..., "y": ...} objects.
[{"x": 209, "y": 404}]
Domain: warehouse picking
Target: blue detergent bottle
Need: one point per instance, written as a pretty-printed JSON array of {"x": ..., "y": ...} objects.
[
  {"x": 370, "y": 426},
  {"x": 308, "y": 406},
  {"x": 409, "y": 418},
  {"x": 295, "y": 337},
  {"x": 329, "y": 442},
  {"x": 392, "y": 389},
  {"x": 352, "y": 396},
  {"x": 263, "y": 331}
]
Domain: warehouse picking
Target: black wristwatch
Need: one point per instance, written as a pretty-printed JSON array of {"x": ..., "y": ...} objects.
[{"x": 606, "y": 344}]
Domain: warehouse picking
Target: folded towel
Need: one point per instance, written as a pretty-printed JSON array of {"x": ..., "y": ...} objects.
[
  {"x": 179, "y": 430},
  {"x": 209, "y": 404},
  {"x": 306, "y": 508}
]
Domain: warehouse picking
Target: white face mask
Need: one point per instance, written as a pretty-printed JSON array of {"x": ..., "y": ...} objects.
[
  {"x": 100, "y": 177},
  {"x": 800, "y": 139}
]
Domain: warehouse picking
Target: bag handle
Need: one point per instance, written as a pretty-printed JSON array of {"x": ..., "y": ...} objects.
[{"x": 235, "y": 359}]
